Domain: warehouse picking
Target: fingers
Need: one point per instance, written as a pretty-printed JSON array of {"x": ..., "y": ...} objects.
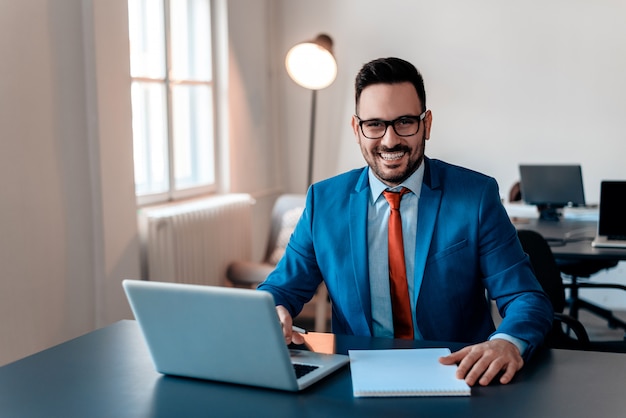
[
  {"x": 481, "y": 363},
  {"x": 456, "y": 357},
  {"x": 297, "y": 338},
  {"x": 508, "y": 376},
  {"x": 471, "y": 367},
  {"x": 287, "y": 323}
]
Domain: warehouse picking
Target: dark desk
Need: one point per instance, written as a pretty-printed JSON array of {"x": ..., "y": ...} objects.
[
  {"x": 108, "y": 373},
  {"x": 576, "y": 239}
]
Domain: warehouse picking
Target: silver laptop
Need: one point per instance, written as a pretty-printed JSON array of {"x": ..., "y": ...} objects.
[
  {"x": 612, "y": 220},
  {"x": 225, "y": 334}
]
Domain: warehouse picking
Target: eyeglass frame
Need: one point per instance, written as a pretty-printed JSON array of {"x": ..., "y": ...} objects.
[{"x": 391, "y": 123}]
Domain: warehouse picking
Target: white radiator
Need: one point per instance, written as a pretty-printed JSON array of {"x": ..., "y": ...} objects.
[{"x": 193, "y": 242}]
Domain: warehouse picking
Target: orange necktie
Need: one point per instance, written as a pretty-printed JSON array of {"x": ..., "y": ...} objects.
[{"x": 400, "y": 301}]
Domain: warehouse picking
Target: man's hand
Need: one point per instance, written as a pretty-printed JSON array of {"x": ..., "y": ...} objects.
[
  {"x": 482, "y": 362},
  {"x": 287, "y": 322}
]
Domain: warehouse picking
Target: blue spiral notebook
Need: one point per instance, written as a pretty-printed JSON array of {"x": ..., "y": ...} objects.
[{"x": 404, "y": 372}]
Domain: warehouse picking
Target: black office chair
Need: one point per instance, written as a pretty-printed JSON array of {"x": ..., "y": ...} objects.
[
  {"x": 575, "y": 270},
  {"x": 549, "y": 276},
  {"x": 584, "y": 269}
]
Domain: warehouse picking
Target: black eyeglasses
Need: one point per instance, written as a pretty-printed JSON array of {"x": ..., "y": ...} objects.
[{"x": 402, "y": 126}]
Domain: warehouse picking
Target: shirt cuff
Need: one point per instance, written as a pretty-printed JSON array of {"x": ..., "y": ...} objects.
[{"x": 520, "y": 344}]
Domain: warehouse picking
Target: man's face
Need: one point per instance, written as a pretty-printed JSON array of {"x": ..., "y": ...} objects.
[{"x": 392, "y": 158}]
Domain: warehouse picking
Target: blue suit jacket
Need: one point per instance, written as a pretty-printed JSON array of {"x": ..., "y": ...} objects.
[{"x": 465, "y": 244}]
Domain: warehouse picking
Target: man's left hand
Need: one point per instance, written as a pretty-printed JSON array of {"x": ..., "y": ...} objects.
[{"x": 482, "y": 362}]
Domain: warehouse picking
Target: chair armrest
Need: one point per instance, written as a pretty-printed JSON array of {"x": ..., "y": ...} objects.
[
  {"x": 576, "y": 326},
  {"x": 248, "y": 273}
]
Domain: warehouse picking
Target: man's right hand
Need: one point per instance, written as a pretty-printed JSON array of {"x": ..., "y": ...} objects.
[{"x": 287, "y": 322}]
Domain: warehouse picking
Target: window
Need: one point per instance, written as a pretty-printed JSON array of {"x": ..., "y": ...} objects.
[{"x": 173, "y": 100}]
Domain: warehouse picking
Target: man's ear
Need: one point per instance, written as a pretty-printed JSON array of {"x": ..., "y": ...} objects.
[
  {"x": 355, "y": 127},
  {"x": 428, "y": 120}
]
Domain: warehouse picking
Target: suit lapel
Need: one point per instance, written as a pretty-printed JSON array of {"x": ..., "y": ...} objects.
[
  {"x": 362, "y": 305},
  {"x": 430, "y": 199}
]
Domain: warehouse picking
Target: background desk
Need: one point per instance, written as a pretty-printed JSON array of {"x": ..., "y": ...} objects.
[
  {"x": 576, "y": 236},
  {"x": 108, "y": 373},
  {"x": 570, "y": 241}
]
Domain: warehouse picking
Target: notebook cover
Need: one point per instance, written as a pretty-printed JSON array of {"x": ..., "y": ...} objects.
[{"x": 404, "y": 372}]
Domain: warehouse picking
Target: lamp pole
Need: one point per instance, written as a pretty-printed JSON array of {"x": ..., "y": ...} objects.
[{"x": 312, "y": 136}]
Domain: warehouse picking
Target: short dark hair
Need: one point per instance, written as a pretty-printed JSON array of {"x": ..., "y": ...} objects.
[{"x": 389, "y": 71}]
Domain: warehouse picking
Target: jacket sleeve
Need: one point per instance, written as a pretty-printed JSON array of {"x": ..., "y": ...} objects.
[
  {"x": 508, "y": 277},
  {"x": 296, "y": 276}
]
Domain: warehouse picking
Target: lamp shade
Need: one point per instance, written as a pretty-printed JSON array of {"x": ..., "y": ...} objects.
[{"x": 311, "y": 64}]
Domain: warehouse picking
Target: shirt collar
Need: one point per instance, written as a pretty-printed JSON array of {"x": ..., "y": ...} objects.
[{"x": 413, "y": 183}]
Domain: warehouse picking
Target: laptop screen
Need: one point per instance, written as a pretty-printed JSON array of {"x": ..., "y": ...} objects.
[{"x": 612, "y": 221}]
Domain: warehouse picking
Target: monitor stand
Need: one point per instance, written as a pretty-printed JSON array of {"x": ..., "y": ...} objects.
[{"x": 549, "y": 213}]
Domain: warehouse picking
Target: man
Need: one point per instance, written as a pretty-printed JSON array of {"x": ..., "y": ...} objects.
[{"x": 458, "y": 242}]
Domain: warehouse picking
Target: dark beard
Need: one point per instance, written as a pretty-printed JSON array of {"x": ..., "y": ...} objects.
[{"x": 402, "y": 176}]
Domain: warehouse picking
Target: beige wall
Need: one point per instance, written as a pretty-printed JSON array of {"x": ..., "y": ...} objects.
[
  {"x": 68, "y": 233},
  {"x": 67, "y": 223}
]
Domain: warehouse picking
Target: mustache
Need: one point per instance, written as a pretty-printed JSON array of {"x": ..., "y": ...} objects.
[{"x": 397, "y": 148}]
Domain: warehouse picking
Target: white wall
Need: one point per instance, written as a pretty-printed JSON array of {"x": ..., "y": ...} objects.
[{"x": 508, "y": 82}]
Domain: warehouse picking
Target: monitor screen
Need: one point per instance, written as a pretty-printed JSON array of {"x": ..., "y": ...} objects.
[
  {"x": 551, "y": 187},
  {"x": 612, "y": 222}
]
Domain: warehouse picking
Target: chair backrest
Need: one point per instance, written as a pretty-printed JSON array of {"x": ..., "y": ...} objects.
[
  {"x": 545, "y": 267},
  {"x": 285, "y": 214},
  {"x": 549, "y": 276}
]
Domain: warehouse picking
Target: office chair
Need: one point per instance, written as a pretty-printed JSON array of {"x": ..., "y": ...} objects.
[
  {"x": 581, "y": 269},
  {"x": 584, "y": 269},
  {"x": 548, "y": 274},
  {"x": 245, "y": 273}
]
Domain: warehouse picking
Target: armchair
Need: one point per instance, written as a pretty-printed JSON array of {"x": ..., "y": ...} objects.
[{"x": 244, "y": 273}]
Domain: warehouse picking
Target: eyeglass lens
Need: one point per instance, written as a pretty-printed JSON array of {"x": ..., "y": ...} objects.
[{"x": 404, "y": 126}]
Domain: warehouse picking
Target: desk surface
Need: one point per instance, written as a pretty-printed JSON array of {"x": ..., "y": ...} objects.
[
  {"x": 109, "y": 373},
  {"x": 575, "y": 236}
]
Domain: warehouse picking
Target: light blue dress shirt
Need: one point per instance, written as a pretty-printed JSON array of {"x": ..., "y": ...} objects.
[
  {"x": 378, "y": 262},
  {"x": 377, "y": 226}
]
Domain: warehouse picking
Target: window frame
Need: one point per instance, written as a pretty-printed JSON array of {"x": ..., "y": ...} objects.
[{"x": 173, "y": 193}]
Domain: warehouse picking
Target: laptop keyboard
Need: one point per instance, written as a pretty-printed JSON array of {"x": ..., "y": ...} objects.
[
  {"x": 302, "y": 369},
  {"x": 616, "y": 238}
]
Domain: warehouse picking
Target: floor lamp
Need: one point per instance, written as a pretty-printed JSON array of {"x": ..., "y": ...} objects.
[{"x": 311, "y": 64}]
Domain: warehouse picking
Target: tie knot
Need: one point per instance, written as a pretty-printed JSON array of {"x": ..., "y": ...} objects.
[{"x": 394, "y": 197}]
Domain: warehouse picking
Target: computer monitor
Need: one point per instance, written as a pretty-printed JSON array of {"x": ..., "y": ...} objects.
[{"x": 551, "y": 187}]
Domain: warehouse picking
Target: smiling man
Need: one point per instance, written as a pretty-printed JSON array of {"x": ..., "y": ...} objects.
[{"x": 409, "y": 246}]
